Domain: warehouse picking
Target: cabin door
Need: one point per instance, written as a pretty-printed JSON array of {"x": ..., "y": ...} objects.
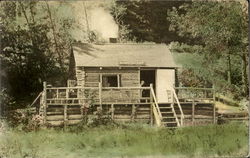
[
  {"x": 147, "y": 77},
  {"x": 165, "y": 79}
]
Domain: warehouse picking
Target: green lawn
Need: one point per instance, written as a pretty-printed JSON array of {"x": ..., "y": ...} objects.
[{"x": 127, "y": 141}]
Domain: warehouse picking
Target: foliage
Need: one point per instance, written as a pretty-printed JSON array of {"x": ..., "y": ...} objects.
[
  {"x": 24, "y": 120},
  {"x": 35, "y": 42},
  {"x": 128, "y": 140},
  {"x": 221, "y": 26},
  {"x": 221, "y": 29},
  {"x": 6, "y": 101},
  {"x": 145, "y": 20}
]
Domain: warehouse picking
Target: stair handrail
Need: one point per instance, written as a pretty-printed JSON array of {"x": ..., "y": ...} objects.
[
  {"x": 179, "y": 105},
  {"x": 156, "y": 108},
  {"x": 176, "y": 117}
]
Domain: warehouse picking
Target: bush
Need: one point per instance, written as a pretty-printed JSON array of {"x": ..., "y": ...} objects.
[
  {"x": 129, "y": 140},
  {"x": 24, "y": 119}
]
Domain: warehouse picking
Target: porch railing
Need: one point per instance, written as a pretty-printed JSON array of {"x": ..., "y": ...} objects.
[
  {"x": 175, "y": 99},
  {"x": 155, "y": 107},
  {"x": 195, "y": 96},
  {"x": 101, "y": 95}
]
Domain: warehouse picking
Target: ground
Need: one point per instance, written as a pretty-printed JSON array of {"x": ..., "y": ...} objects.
[
  {"x": 120, "y": 141},
  {"x": 224, "y": 108}
]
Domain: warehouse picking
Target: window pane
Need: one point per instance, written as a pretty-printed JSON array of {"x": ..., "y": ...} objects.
[{"x": 109, "y": 81}]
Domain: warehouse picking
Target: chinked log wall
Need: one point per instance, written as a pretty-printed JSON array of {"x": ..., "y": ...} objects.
[{"x": 91, "y": 77}]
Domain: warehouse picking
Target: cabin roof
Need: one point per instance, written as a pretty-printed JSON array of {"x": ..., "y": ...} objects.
[{"x": 123, "y": 55}]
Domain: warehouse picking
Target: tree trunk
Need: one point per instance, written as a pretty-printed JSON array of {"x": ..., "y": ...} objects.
[
  {"x": 86, "y": 19},
  {"x": 229, "y": 76},
  {"x": 244, "y": 74},
  {"x": 31, "y": 34},
  {"x": 60, "y": 56}
]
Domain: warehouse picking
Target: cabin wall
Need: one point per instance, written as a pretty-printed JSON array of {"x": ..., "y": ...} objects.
[
  {"x": 91, "y": 76},
  {"x": 129, "y": 77}
]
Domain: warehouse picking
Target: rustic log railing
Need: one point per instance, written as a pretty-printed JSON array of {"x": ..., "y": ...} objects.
[
  {"x": 69, "y": 97},
  {"x": 196, "y": 96},
  {"x": 175, "y": 99},
  {"x": 186, "y": 93},
  {"x": 155, "y": 106},
  {"x": 100, "y": 95}
]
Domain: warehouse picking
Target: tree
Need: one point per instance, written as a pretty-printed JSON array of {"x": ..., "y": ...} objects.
[
  {"x": 222, "y": 30},
  {"x": 28, "y": 52},
  {"x": 145, "y": 20}
]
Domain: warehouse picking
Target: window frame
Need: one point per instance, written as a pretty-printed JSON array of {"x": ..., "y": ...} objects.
[{"x": 111, "y": 74}]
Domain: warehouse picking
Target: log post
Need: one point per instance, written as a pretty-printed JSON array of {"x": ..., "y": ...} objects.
[
  {"x": 57, "y": 93},
  {"x": 65, "y": 107},
  {"x": 193, "y": 109},
  {"x": 100, "y": 94},
  {"x": 112, "y": 111},
  {"x": 133, "y": 113},
  {"x": 214, "y": 109},
  {"x": 65, "y": 116},
  {"x": 45, "y": 101},
  {"x": 151, "y": 109}
]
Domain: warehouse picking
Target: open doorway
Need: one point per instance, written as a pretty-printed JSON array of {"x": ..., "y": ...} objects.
[{"x": 146, "y": 78}]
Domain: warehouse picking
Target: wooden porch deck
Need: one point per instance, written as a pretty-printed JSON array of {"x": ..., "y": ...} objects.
[{"x": 69, "y": 105}]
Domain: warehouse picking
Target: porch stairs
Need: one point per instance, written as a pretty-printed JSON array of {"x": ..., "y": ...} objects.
[
  {"x": 164, "y": 113},
  {"x": 169, "y": 117}
]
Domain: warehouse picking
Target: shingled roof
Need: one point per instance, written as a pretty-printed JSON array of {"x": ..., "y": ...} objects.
[{"x": 123, "y": 55}]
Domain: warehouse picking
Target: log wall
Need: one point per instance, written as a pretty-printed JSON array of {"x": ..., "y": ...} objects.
[{"x": 129, "y": 77}]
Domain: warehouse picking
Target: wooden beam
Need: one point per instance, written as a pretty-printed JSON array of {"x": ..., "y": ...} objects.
[
  {"x": 118, "y": 80},
  {"x": 214, "y": 109},
  {"x": 45, "y": 101},
  {"x": 133, "y": 113},
  {"x": 193, "y": 109},
  {"x": 57, "y": 93},
  {"x": 151, "y": 110},
  {"x": 100, "y": 95},
  {"x": 112, "y": 111},
  {"x": 65, "y": 116}
]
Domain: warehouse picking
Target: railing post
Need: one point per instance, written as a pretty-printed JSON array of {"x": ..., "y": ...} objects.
[
  {"x": 100, "y": 94},
  {"x": 45, "y": 101},
  {"x": 151, "y": 109},
  {"x": 66, "y": 95},
  {"x": 112, "y": 111},
  {"x": 214, "y": 110},
  {"x": 133, "y": 113},
  {"x": 193, "y": 109},
  {"x": 57, "y": 93},
  {"x": 65, "y": 116}
]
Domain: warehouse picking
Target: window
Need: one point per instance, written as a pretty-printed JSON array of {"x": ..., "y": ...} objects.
[{"x": 110, "y": 81}]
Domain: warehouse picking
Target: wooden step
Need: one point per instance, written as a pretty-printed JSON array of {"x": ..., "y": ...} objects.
[
  {"x": 164, "y": 112},
  {"x": 169, "y": 117},
  {"x": 165, "y": 107},
  {"x": 174, "y": 122}
]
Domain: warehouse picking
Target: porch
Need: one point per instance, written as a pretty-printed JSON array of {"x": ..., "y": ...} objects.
[{"x": 69, "y": 105}]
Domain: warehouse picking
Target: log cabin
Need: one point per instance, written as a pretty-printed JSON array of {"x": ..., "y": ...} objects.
[
  {"x": 124, "y": 65},
  {"x": 128, "y": 82}
]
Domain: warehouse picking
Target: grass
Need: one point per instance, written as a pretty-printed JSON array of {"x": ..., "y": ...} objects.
[{"x": 127, "y": 141}]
